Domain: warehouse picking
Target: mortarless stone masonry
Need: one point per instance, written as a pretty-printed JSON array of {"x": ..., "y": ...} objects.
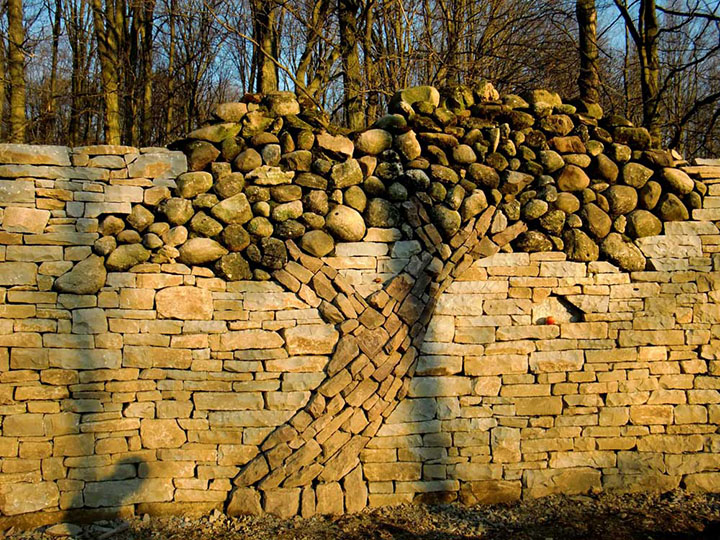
[{"x": 390, "y": 370}]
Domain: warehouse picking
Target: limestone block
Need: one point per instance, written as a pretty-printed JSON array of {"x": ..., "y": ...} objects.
[
  {"x": 184, "y": 303},
  {"x": 538, "y": 406},
  {"x": 441, "y": 329},
  {"x": 158, "y": 165},
  {"x": 34, "y": 154},
  {"x": 505, "y": 445},
  {"x": 567, "y": 481},
  {"x": 490, "y": 492},
  {"x": 16, "y": 191},
  {"x": 440, "y": 386},
  {"x": 356, "y": 491},
  {"x": 311, "y": 339},
  {"x": 165, "y": 433},
  {"x": 132, "y": 491},
  {"x": 707, "y": 482},
  {"x": 556, "y": 361},
  {"x": 329, "y": 499},
  {"x": 89, "y": 321},
  {"x": 25, "y": 220},
  {"x": 227, "y": 401},
  {"x": 378, "y": 472},
  {"x": 499, "y": 364},
  {"x": 18, "y": 273},
  {"x": 250, "y": 339},
  {"x": 23, "y": 498},
  {"x": 244, "y": 501},
  {"x": 283, "y": 503}
]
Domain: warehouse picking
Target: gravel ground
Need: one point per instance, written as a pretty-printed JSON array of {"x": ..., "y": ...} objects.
[{"x": 673, "y": 516}]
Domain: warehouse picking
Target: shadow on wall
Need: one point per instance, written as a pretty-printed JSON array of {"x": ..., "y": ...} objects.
[{"x": 97, "y": 486}]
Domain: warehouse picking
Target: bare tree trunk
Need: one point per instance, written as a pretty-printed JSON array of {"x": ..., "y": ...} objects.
[
  {"x": 16, "y": 68},
  {"x": 107, "y": 26},
  {"x": 650, "y": 65},
  {"x": 169, "y": 118},
  {"x": 589, "y": 79},
  {"x": 645, "y": 35},
  {"x": 147, "y": 74},
  {"x": 3, "y": 82},
  {"x": 373, "y": 98},
  {"x": 352, "y": 77},
  {"x": 263, "y": 13}
]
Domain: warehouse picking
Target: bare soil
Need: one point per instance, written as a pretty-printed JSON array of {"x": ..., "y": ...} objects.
[{"x": 671, "y": 516}]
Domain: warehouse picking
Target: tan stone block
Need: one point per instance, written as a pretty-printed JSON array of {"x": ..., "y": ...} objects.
[
  {"x": 538, "y": 406},
  {"x": 471, "y": 334},
  {"x": 356, "y": 491},
  {"x": 228, "y": 401},
  {"x": 487, "y": 386},
  {"x": 584, "y": 330},
  {"x": 499, "y": 364},
  {"x": 634, "y": 338},
  {"x": 568, "y": 481},
  {"x": 184, "y": 302},
  {"x": 555, "y": 361},
  {"x": 475, "y": 471},
  {"x": 614, "y": 416},
  {"x": 702, "y": 482},
  {"x": 438, "y": 365},
  {"x": 441, "y": 329},
  {"x": 164, "y": 433},
  {"x": 440, "y": 386},
  {"x": 505, "y": 445},
  {"x": 376, "y": 472},
  {"x": 595, "y": 459},
  {"x": 244, "y": 501},
  {"x": 137, "y": 298},
  {"x": 249, "y": 339},
  {"x": 329, "y": 499},
  {"x": 123, "y": 492},
  {"x": 490, "y": 492},
  {"x": 311, "y": 339},
  {"x": 23, "y": 498},
  {"x": 671, "y": 444},
  {"x": 283, "y": 503},
  {"x": 235, "y": 454},
  {"x": 23, "y": 425},
  {"x": 651, "y": 414}
]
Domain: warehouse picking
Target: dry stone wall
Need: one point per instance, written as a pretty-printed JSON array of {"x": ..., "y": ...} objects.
[{"x": 429, "y": 360}]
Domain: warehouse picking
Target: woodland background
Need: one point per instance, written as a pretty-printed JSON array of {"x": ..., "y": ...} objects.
[{"x": 143, "y": 72}]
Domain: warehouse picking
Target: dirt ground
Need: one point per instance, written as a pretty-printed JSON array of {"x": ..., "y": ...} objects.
[{"x": 672, "y": 516}]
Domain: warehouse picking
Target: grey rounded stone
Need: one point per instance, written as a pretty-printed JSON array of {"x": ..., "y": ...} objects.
[
  {"x": 373, "y": 141},
  {"x": 580, "y": 247},
  {"x": 140, "y": 218},
  {"x": 316, "y": 201},
  {"x": 606, "y": 169},
  {"x": 553, "y": 222},
  {"x": 621, "y": 199},
  {"x": 270, "y": 154},
  {"x": 248, "y": 160},
  {"x": 274, "y": 253},
  {"x": 229, "y": 185},
  {"x": 671, "y": 208},
  {"x": 177, "y": 211},
  {"x": 624, "y": 254},
  {"x": 643, "y": 223},
  {"x": 290, "y": 228},
  {"x": 126, "y": 256},
  {"x": 397, "y": 192},
  {"x": 260, "y": 226},
  {"x": 289, "y": 210},
  {"x": 345, "y": 224},
  {"x": 636, "y": 175},
  {"x": 572, "y": 178},
  {"x": 111, "y": 225},
  {"x": 355, "y": 198},
  {"x": 475, "y": 203},
  {"x": 650, "y": 195},
  {"x": 286, "y": 193},
  {"x": 86, "y": 277},
  {"x": 551, "y": 161},
  {"x": 382, "y": 213},
  {"x": 203, "y": 224},
  {"x": 567, "y": 202},
  {"x": 194, "y": 183},
  {"x": 534, "y": 209},
  {"x": 598, "y": 222},
  {"x": 104, "y": 245},
  {"x": 464, "y": 154},
  {"x": 317, "y": 243},
  {"x": 152, "y": 241},
  {"x": 128, "y": 236},
  {"x": 235, "y": 237},
  {"x": 447, "y": 221},
  {"x": 678, "y": 180},
  {"x": 533, "y": 241},
  {"x": 201, "y": 251},
  {"x": 234, "y": 267}
]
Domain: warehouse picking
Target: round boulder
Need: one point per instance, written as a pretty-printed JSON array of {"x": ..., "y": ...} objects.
[
  {"x": 345, "y": 224},
  {"x": 643, "y": 223},
  {"x": 201, "y": 251},
  {"x": 624, "y": 254},
  {"x": 317, "y": 243}
]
